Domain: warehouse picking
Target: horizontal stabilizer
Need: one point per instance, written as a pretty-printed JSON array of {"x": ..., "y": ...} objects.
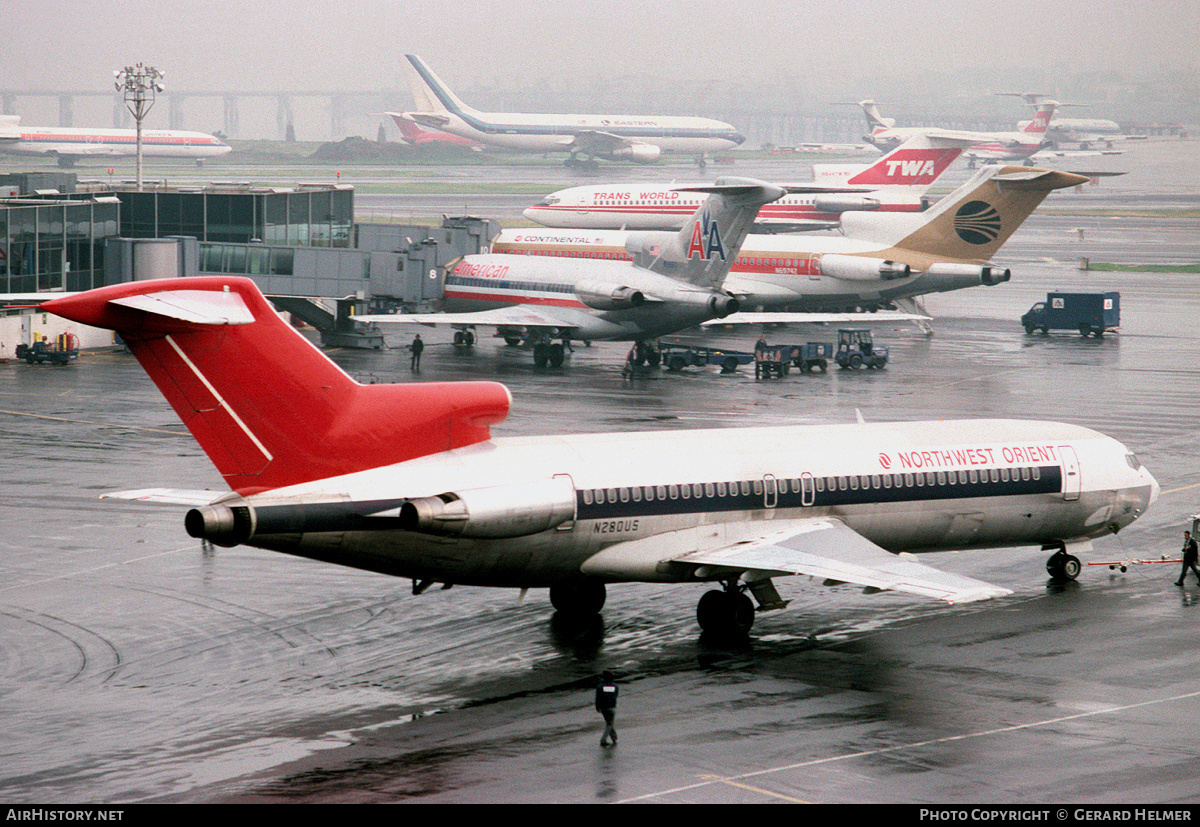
[
  {"x": 195, "y": 306},
  {"x": 168, "y": 496}
]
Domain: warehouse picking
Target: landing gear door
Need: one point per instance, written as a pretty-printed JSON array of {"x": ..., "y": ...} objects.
[{"x": 1070, "y": 470}]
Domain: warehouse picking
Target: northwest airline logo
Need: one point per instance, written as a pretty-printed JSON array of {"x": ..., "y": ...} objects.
[
  {"x": 706, "y": 239},
  {"x": 977, "y": 222}
]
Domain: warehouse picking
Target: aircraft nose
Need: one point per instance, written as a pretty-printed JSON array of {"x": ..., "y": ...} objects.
[
  {"x": 738, "y": 138},
  {"x": 1155, "y": 490}
]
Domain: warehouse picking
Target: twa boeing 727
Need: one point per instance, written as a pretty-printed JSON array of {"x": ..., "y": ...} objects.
[
  {"x": 70, "y": 144},
  {"x": 407, "y": 480},
  {"x": 894, "y": 183},
  {"x": 638, "y": 138}
]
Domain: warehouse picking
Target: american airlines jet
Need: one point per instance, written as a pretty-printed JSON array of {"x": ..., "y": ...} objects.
[
  {"x": 70, "y": 144},
  {"x": 638, "y": 138},
  {"x": 407, "y": 480}
]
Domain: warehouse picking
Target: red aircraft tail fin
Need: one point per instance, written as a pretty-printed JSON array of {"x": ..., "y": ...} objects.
[{"x": 268, "y": 408}]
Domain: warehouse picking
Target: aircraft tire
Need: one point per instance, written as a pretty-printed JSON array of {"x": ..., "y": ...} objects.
[
  {"x": 541, "y": 354},
  {"x": 725, "y": 613},
  {"x": 580, "y": 598},
  {"x": 1063, "y": 567},
  {"x": 556, "y": 355}
]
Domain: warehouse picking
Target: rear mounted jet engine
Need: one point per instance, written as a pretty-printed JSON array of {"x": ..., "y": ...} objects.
[
  {"x": 601, "y": 295},
  {"x": 502, "y": 511},
  {"x": 862, "y": 268}
]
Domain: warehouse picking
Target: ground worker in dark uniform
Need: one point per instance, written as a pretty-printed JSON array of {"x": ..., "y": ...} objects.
[
  {"x": 606, "y": 705},
  {"x": 1189, "y": 558},
  {"x": 416, "y": 347}
]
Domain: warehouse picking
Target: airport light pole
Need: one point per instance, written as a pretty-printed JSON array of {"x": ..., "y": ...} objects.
[{"x": 140, "y": 84}]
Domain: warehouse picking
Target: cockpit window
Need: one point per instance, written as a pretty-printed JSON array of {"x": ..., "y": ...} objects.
[{"x": 1133, "y": 461}]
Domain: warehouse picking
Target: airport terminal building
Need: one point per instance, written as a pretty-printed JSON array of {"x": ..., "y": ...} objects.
[{"x": 300, "y": 244}]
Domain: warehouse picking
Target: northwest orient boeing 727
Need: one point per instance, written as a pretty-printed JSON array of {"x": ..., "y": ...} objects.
[
  {"x": 406, "y": 479},
  {"x": 68, "y": 145},
  {"x": 894, "y": 183},
  {"x": 638, "y": 138}
]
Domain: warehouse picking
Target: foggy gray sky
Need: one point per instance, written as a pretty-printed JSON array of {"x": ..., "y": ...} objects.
[
  {"x": 728, "y": 60},
  {"x": 355, "y": 44}
]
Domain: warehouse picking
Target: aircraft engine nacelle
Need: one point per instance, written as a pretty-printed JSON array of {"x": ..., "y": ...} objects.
[
  {"x": 967, "y": 275},
  {"x": 602, "y": 295},
  {"x": 638, "y": 153},
  {"x": 862, "y": 268},
  {"x": 500, "y": 511},
  {"x": 844, "y": 203}
]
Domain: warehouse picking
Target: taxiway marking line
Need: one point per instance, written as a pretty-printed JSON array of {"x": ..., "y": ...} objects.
[
  {"x": 914, "y": 745},
  {"x": 90, "y": 422},
  {"x": 769, "y": 793},
  {"x": 26, "y": 584}
]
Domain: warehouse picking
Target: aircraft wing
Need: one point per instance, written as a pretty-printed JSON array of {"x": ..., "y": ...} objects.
[
  {"x": 517, "y": 315},
  {"x": 830, "y": 549},
  {"x": 781, "y": 317},
  {"x": 591, "y": 142}
]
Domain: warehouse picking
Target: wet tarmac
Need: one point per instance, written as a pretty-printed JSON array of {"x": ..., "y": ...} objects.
[{"x": 136, "y": 666}]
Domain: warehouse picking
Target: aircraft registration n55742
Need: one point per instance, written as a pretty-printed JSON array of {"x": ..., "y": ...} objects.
[{"x": 407, "y": 479}]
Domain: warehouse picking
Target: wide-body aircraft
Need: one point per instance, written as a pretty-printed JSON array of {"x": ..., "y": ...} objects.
[
  {"x": 896, "y": 182},
  {"x": 638, "y": 138},
  {"x": 881, "y": 260},
  {"x": 407, "y": 480},
  {"x": 70, "y": 144},
  {"x": 675, "y": 283}
]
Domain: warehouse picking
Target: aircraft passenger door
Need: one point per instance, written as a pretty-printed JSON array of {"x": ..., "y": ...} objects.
[
  {"x": 1072, "y": 484},
  {"x": 568, "y": 525}
]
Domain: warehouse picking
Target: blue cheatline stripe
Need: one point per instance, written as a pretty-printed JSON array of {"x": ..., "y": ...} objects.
[
  {"x": 485, "y": 127},
  {"x": 821, "y": 492}
]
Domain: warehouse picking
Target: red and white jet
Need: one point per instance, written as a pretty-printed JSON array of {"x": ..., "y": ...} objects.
[
  {"x": 407, "y": 480},
  {"x": 894, "y": 183},
  {"x": 70, "y": 144},
  {"x": 416, "y": 136},
  {"x": 987, "y": 146}
]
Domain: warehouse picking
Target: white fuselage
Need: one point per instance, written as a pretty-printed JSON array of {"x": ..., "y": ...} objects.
[
  {"x": 770, "y": 271},
  {"x": 657, "y": 207},
  {"x": 490, "y": 281},
  {"x": 69, "y": 142},
  {"x": 904, "y": 486},
  {"x": 555, "y": 133}
]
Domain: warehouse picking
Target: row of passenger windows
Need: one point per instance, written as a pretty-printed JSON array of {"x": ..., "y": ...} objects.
[
  {"x": 464, "y": 281},
  {"x": 744, "y": 261},
  {"x": 864, "y": 482},
  {"x": 597, "y": 254}
]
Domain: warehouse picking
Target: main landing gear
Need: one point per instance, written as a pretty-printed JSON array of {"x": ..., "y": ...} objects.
[
  {"x": 578, "y": 599},
  {"x": 1062, "y": 567},
  {"x": 725, "y": 613}
]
